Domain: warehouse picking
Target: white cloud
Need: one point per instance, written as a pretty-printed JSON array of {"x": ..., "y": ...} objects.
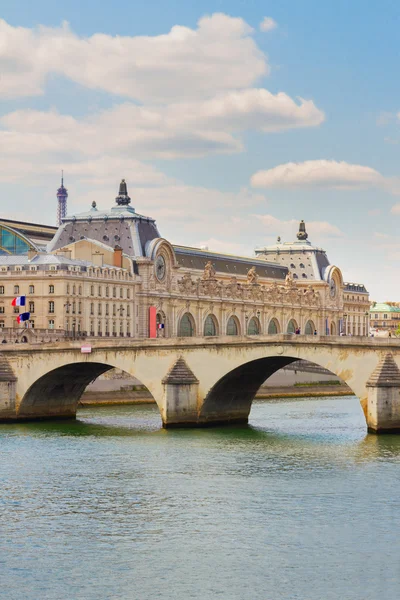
[
  {"x": 323, "y": 174},
  {"x": 190, "y": 129},
  {"x": 219, "y": 54},
  {"x": 268, "y": 24},
  {"x": 250, "y": 109}
]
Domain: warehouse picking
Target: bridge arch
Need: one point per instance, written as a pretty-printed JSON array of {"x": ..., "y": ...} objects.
[
  {"x": 57, "y": 392},
  {"x": 230, "y": 398}
]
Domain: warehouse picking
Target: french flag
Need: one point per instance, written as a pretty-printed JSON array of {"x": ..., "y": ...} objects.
[
  {"x": 19, "y": 301},
  {"x": 23, "y": 317}
]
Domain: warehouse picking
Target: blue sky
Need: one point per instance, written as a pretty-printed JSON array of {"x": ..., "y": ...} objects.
[{"x": 228, "y": 132}]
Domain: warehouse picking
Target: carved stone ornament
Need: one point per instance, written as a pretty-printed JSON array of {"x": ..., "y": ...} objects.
[{"x": 186, "y": 284}]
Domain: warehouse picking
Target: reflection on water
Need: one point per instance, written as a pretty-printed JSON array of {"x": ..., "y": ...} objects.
[{"x": 301, "y": 503}]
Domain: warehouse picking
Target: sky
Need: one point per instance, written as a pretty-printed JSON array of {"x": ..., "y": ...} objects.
[{"x": 230, "y": 121}]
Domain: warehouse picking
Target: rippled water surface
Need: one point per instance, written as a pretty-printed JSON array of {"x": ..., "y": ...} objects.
[{"x": 301, "y": 504}]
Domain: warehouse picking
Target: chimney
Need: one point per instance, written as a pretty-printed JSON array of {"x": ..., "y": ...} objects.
[{"x": 118, "y": 257}]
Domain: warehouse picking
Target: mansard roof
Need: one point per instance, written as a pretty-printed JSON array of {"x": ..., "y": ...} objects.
[
  {"x": 119, "y": 226},
  {"x": 195, "y": 258},
  {"x": 303, "y": 260}
]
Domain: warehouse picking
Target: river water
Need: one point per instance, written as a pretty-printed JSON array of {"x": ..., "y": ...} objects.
[{"x": 301, "y": 504}]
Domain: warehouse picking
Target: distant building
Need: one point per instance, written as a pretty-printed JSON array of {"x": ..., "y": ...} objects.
[
  {"x": 385, "y": 316},
  {"x": 355, "y": 309}
]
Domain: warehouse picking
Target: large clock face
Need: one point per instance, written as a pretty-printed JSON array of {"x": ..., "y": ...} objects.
[
  {"x": 332, "y": 288},
  {"x": 160, "y": 268}
]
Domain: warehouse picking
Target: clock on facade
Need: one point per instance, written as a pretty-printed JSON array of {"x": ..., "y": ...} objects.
[
  {"x": 332, "y": 288},
  {"x": 160, "y": 268}
]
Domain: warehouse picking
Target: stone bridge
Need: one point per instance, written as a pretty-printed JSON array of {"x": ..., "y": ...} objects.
[{"x": 196, "y": 381}]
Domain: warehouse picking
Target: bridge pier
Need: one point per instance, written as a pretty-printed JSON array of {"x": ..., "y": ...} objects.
[
  {"x": 383, "y": 408},
  {"x": 180, "y": 396},
  {"x": 7, "y": 391}
]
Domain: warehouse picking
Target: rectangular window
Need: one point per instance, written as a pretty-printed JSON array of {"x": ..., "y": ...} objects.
[
  {"x": 16, "y": 309},
  {"x": 31, "y": 307},
  {"x": 51, "y": 324},
  {"x": 16, "y": 289},
  {"x": 2, "y": 309},
  {"x": 51, "y": 289},
  {"x": 31, "y": 289},
  {"x": 32, "y": 324},
  {"x": 1, "y": 324},
  {"x": 385, "y": 316},
  {"x": 1, "y": 289},
  {"x": 51, "y": 306}
]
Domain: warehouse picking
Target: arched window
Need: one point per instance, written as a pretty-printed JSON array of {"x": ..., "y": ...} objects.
[
  {"x": 232, "y": 327},
  {"x": 310, "y": 328},
  {"x": 273, "y": 327},
  {"x": 186, "y": 326},
  {"x": 210, "y": 325},
  {"x": 254, "y": 326},
  {"x": 292, "y": 326}
]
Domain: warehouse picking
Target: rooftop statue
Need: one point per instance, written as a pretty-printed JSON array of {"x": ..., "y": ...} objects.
[
  {"x": 209, "y": 271},
  {"x": 252, "y": 276}
]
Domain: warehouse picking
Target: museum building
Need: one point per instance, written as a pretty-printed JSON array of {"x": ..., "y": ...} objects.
[{"x": 110, "y": 273}]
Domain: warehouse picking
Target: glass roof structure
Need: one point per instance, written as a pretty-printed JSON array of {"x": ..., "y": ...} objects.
[{"x": 13, "y": 242}]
